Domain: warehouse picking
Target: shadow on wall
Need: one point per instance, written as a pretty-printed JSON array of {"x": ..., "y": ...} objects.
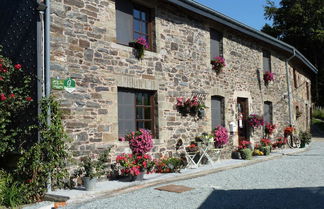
[{"x": 288, "y": 198}]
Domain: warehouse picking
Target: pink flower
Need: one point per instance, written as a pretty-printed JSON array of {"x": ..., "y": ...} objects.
[
  {"x": 11, "y": 95},
  {"x": 220, "y": 136},
  {"x": 1, "y": 78}
]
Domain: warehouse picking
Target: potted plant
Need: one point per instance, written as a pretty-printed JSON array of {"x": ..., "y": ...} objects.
[
  {"x": 280, "y": 142},
  {"x": 220, "y": 136},
  {"x": 305, "y": 138},
  {"x": 218, "y": 63},
  {"x": 91, "y": 168},
  {"x": 244, "y": 150},
  {"x": 135, "y": 164},
  {"x": 139, "y": 45},
  {"x": 265, "y": 146},
  {"x": 267, "y": 77},
  {"x": 168, "y": 165}
]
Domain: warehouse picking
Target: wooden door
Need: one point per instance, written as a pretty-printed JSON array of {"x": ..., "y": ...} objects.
[{"x": 243, "y": 113}]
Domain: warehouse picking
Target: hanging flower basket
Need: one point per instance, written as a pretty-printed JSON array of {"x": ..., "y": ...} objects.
[
  {"x": 192, "y": 106},
  {"x": 139, "y": 45},
  {"x": 255, "y": 121},
  {"x": 218, "y": 63},
  {"x": 267, "y": 77}
]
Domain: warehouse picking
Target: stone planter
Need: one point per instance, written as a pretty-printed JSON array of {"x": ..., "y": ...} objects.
[
  {"x": 302, "y": 144},
  {"x": 89, "y": 183},
  {"x": 139, "y": 177}
]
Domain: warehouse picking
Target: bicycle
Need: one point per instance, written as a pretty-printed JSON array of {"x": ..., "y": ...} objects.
[{"x": 293, "y": 141}]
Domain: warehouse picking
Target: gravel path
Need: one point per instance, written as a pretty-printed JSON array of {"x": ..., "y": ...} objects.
[{"x": 291, "y": 182}]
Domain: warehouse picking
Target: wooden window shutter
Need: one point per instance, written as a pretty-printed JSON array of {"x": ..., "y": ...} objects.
[
  {"x": 266, "y": 61},
  {"x": 126, "y": 112},
  {"x": 124, "y": 21},
  {"x": 217, "y": 110},
  {"x": 267, "y": 116},
  {"x": 215, "y": 43}
]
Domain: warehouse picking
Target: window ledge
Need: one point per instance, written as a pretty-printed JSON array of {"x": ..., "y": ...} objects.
[{"x": 130, "y": 49}]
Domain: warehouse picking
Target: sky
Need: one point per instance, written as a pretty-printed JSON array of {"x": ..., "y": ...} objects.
[{"x": 249, "y": 12}]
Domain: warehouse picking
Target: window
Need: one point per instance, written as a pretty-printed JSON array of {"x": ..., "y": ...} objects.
[
  {"x": 216, "y": 48},
  {"x": 266, "y": 61},
  {"x": 295, "y": 78},
  {"x": 267, "y": 115},
  {"x": 217, "y": 111},
  {"x": 133, "y": 21},
  {"x": 136, "y": 110}
]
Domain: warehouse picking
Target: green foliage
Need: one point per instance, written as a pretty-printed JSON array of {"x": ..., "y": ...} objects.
[
  {"x": 246, "y": 154},
  {"x": 47, "y": 157},
  {"x": 15, "y": 99},
  {"x": 305, "y": 137},
  {"x": 11, "y": 192},
  {"x": 318, "y": 113},
  {"x": 300, "y": 23}
]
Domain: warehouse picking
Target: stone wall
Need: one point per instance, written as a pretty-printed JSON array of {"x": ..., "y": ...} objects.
[{"x": 83, "y": 47}]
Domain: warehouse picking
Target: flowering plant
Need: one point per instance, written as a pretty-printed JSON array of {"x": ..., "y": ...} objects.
[
  {"x": 255, "y": 121},
  {"x": 140, "y": 142},
  {"x": 168, "y": 165},
  {"x": 269, "y": 128},
  {"x": 192, "y": 147},
  {"x": 134, "y": 164},
  {"x": 15, "y": 98},
  {"x": 218, "y": 63},
  {"x": 268, "y": 76},
  {"x": 243, "y": 144},
  {"x": 140, "y": 44},
  {"x": 280, "y": 141},
  {"x": 220, "y": 136},
  {"x": 190, "y": 105},
  {"x": 265, "y": 142},
  {"x": 288, "y": 130}
]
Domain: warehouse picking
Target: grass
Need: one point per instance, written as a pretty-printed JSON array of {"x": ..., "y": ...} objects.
[{"x": 318, "y": 113}]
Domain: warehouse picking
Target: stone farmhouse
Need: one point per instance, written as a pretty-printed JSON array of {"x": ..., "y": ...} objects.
[{"x": 117, "y": 93}]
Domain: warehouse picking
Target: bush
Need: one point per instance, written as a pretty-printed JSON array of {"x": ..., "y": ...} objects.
[
  {"x": 246, "y": 154},
  {"x": 11, "y": 192},
  {"x": 168, "y": 165},
  {"x": 305, "y": 137}
]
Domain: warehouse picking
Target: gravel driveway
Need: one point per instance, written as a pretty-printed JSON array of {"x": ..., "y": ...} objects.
[{"x": 291, "y": 182}]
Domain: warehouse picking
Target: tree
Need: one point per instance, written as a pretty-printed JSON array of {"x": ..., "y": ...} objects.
[{"x": 301, "y": 24}]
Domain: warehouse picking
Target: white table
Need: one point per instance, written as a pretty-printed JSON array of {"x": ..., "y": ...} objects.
[{"x": 203, "y": 151}]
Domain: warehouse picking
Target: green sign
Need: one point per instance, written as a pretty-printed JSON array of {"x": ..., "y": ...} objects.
[
  {"x": 57, "y": 84},
  {"x": 69, "y": 85}
]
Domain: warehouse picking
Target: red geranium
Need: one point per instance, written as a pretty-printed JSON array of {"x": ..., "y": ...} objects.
[
  {"x": 11, "y": 95},
  {"x": 17, "y": 66},
  {"x": 3, "y": 97},
  {"x": 1, "y": 78},
  {"x": 29, "y": 99}
]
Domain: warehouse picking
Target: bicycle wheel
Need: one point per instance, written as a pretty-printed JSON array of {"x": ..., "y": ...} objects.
[
  {"x": 296, "y": 141},
  {"x": 290, "y": 141}
]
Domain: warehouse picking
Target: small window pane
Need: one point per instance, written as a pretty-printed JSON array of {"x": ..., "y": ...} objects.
[
  {"x": 139, "y": 99},
  {"x": 147, "y": 113},
  {"x": 147, "y": 99},
  {"x": 137, "y": 26},
  {"x": 139, "y": 113},
  {"x": 137, "y": 35},
  {"x": 144, "y": 28},
  {"x": 148, "y": 125},
  {"x": 144, "y": 16},
  {"x": 136, "y": 13},
  {"x": 139, "y": 124}
]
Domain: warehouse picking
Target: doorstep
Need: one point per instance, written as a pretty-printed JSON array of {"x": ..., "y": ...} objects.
[{"x": 115, "y": 187}]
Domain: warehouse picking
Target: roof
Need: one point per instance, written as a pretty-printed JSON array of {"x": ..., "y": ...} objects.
[{"x": 234, "y": 24}]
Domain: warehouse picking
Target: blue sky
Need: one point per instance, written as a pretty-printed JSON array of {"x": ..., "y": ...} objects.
[{"x": 249, "y": 12}]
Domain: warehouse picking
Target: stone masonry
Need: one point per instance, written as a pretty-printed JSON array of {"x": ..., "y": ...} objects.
[{"x": 83, "y": 47}]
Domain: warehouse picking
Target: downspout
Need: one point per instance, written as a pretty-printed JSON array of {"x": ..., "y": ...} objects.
[
  {"x": 289, "y": 88},
  {"x": 47, "y": 71}
]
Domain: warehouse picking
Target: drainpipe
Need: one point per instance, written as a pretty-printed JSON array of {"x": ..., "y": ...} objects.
[
  {"x": 47, "y": 71},
  {"x": 40, "y": 58},
  {"x": 289, "y": 88}
]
